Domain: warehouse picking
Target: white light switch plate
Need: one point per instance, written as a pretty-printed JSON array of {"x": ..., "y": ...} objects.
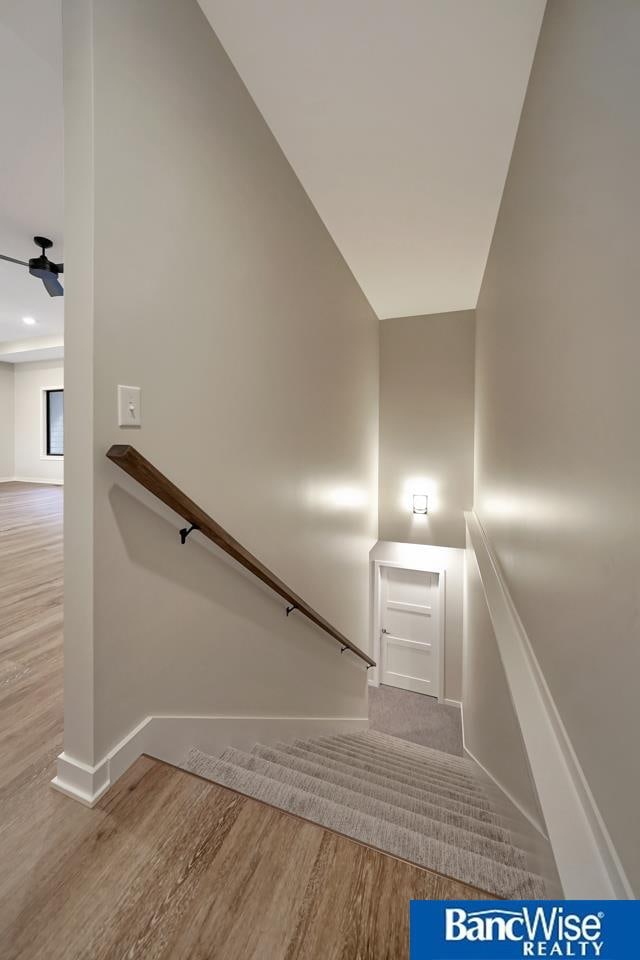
[{"x": 129, "y": 406}]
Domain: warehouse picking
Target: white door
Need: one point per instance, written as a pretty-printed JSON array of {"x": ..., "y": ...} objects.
[{"x": 410, "y": 630}]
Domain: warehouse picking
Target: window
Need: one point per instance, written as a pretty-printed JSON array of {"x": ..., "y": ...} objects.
[{"x": 54, "y": 435}]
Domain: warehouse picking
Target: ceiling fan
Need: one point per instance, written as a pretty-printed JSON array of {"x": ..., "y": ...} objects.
[{"x": 43, "y": 268}]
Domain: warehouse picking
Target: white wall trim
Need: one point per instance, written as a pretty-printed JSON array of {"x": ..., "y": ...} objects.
[
  {"x": 81, "y": 781},
  {"x": 588, "y": 864},
  {"x": 453, "y": 703},
  {"x": 169, "y": 738},
  {"x": 537, "y": 826},
  {"x": 56, "y": 483},
  {"x": 530, "y": 832},
  {"x": 441, "y": 572}
]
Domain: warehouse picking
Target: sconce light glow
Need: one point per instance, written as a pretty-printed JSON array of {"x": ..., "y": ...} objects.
[
  {"x": 337, "y": 497},
  {"x": 30, "y": 322},
  {"x": 420, "y": 504},
  {"x": 348, "y": 498}
]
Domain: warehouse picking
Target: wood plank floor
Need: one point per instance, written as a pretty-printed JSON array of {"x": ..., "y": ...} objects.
[{"x": 167, "y": 866}]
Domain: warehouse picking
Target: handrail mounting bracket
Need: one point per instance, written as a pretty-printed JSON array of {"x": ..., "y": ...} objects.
[{"x": 184, "y": 533}]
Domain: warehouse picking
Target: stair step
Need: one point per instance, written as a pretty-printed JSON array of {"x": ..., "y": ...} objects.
[
  {"x": 367, "y": 749},
  {"x": 435, "y": 760},
  {"x": 386, "y": 793},
  {"x": 364, "y": 803},
  {"x": 373, "y": 752},
  {"x": 483, "y": 872},
  {"x": 408, "y": 748},
  {"x": 377, "y": 765},
  {"x": 340, "y": 763}
]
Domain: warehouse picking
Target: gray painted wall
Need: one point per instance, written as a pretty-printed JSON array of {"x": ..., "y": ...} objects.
[
  {"x": 257, "y": 355},
  {"x": 30, "y": 381},
  {"x": 7, "y": 423},
  {"x": 426, "y": 426},
  {"x": 557, "y": 395}
]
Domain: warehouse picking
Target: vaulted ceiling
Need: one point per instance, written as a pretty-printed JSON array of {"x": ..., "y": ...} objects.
[
  {"x": 31, "y": 160},
  {"x": 399, "y": 118}
]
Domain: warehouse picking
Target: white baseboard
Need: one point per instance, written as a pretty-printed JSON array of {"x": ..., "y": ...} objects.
[
  {"x": 537, "y": 826},
  {"x": 453, "y": 703},
  {"x": 526, "y": 830},
  {"x": 86, "y": 783},
  {"x": 169, "y": 738},
  {"x": 81, "y": 781},
  {"x": 587, "y": 861},
  {"x": 57, "y": 483}
]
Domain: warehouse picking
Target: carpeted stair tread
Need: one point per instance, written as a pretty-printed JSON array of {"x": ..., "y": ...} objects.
[
  {"x": 435, "y": 761},
  {"x": 479, "y": 813},
  {"x": 364, "y": 750},
  {"x": 375, "y": 765},
  {"x": 462, "y": 766},
  {"x": 364, "y": 803},
  {"x": 448, "y": 859},
  {"x": 407, "y": 748},
  {"x": 409, "y": 802},
  {"x": 380, "y": 755}
]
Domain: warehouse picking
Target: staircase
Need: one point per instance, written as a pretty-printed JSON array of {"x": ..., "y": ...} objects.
[{"x": 422, "y": 805}]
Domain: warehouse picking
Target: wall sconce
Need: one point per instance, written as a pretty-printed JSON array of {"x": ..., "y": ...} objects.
[{"x": 420, "y": 504}]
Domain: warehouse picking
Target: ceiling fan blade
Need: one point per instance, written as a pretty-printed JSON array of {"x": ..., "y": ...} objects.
[
  {"x": 22, "y": 263},
  {"x": 52, "y": 285}
]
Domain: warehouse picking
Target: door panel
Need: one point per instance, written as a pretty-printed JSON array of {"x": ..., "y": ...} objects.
[{"x": 410, "y": 630}]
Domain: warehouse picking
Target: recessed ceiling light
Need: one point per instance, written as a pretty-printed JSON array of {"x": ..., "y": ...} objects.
[{"x": 30, "y": 322}]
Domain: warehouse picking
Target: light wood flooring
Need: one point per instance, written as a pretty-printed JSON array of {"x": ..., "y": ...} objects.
[{"x": 167, "y": 865}]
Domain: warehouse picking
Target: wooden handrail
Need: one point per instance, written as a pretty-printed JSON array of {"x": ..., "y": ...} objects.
[{"x": 133, "y": 463}]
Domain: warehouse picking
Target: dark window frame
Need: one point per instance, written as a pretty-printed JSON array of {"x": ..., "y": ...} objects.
[{"x": 48, "y": 421}]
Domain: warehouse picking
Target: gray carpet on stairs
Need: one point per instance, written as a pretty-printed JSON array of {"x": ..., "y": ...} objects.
[{"x": 424, "y": 805}]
